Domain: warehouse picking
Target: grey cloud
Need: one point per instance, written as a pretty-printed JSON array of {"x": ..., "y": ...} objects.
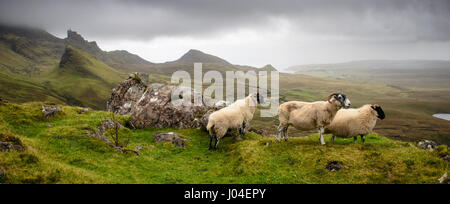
[{"x": 410, "y": 20}]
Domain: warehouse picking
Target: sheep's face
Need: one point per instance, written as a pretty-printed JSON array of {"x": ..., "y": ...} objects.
[
  {"x": 257, "y": 99},
  {"x": 340, "y": 99},
  {"x": 380, "y": 112},
  {"x": 260, "y": 99}
]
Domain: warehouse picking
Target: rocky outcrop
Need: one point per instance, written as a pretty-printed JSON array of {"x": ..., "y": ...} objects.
[
  {"x": 156, "y": 109},
  {"x": 7, "y": 146},
  {"x": 427, "y": 144},
  {"x": 153, "y": 105},
  {"x": 172, "y": 137},
  {"x": 125, "y": 96}
]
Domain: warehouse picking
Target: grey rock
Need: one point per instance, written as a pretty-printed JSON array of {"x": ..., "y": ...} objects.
[
  {"x": 447, "y": 158},
  {"x": 109, "y": 124},
  {"x": 6, "y": 147},
  {"x": 50, "y": 110},
  {"x": 83, "y": 110},
  {"x": 444, "y": 178},
  {"x": 156, "y": 109},
  {"x": 427, "y": 145},
  {"x": 101, "y": 130},
  {"x": 171, "y": 137},
  {"x": 126, "y": 94},
  {"x": 334, "y": 165}
]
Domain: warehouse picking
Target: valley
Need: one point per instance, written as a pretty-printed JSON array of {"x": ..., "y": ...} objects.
[{"x": 37, "y": 66}]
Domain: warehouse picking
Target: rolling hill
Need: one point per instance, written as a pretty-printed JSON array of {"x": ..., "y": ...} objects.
[
  {"x": 37, "y": 50},
  {"x": 433, "y": 74},
  {"x": 84, "y": 80}
]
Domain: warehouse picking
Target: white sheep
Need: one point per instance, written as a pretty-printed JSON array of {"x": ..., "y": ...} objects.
[
  {"x": 235, "y": 116},
  {"x": 353, "y": 122},
  {"x": 310, "y": 116}
]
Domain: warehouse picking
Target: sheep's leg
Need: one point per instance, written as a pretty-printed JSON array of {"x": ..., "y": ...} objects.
[
  {"x": 322, "y": 141},
  {"x": 332, "y": 138},
  {"x": 211, "y": 142},
  {"x": 280, "y": 129},
  {"x": 285, "y": 133},
  {"x": 217, "y": 142},
  {"x": 363, "y": 139},
  {"x": 355, "y": 139},
  {"x": 238, "y": 136},
  {"x": 244, "y": 131}
]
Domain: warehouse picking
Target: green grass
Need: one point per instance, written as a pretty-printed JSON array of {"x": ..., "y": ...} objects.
[{"x": 58, "y": 151}]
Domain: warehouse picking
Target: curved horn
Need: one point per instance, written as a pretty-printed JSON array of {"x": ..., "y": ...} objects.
[{"x": 331, "y": 95}]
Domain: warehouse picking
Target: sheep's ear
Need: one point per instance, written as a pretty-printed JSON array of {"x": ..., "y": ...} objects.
[{"x": 373, "y": 107}]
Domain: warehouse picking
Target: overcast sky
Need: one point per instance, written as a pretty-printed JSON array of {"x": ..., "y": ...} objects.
[{"x": 249, "y": 32}]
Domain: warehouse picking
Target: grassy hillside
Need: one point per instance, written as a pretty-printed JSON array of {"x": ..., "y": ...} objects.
[
  {"x": 29, "y": 50},
  {"x": 58, "y": 151},
  {"x": 18, "y": 89},
  {"x": 83, "y": 79}
]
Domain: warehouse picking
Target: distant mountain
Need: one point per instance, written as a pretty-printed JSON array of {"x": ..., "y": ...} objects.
[
  {"x": 119, "y": 59},
  {"x": 82, "y": 79},
  {"x": 193, "y": 56},
  {"x": 268, "y": 68},
  {"x": 403, "y": 73},
  {"x": 27, "y": 50}
]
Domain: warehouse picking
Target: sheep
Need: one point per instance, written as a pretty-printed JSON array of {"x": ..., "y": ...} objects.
[
  {"x": 310, "y": 116},
  {"x": 353, "y": 122},
  {"x": 235, "y": 116}
]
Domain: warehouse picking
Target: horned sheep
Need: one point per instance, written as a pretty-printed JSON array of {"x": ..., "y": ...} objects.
[
  {"x": 235, "y": 116},
  {"x": 355, "y": 122},
  {"x": 310, "y": 116}
]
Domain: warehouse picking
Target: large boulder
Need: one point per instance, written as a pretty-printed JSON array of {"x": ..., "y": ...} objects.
[
  {"x": 157, "y": 109},
  {"x": 125, "y": 96}
]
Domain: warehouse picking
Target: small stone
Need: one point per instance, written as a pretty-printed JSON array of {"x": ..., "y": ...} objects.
[
  {"x": 139, "y": 147},
  {"x": 447, "y": 158},
  {"x": 427, "y": 145},
  {"x": 83, "y": 110},
  {"x": 5, "y": 146},
  {"x": 171, "y": 137},
  {"x": 50, "y": 110},
  {"x": 334, "y": 165},
  {"x": 443, "y": 178},
  {"x": 49, "y": 125}
]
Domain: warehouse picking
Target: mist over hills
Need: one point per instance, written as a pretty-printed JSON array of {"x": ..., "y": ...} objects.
[
  {"x": 403, "y": 73},
  {"x": 37, "y": 66}
]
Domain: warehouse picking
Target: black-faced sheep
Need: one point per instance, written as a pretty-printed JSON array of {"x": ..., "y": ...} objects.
[
  {"x": 355, "y": 122},
  {"x": 235, "y": 116},
  {"x": 310, "y": 116}
]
